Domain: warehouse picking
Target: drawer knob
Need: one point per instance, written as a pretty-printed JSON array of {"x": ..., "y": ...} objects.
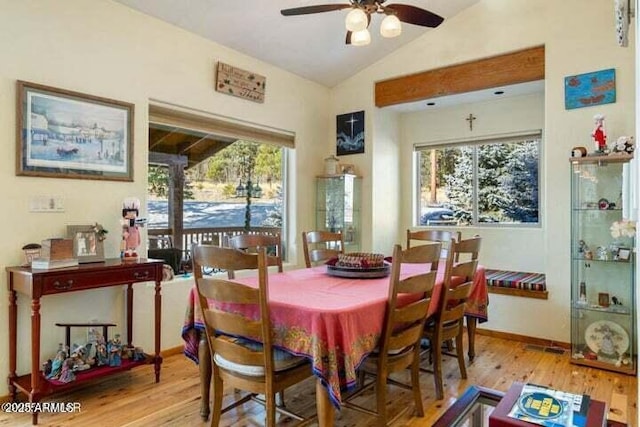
[
  {"x": 139, "y": 275},
  {"x": 63, "y": 285}
]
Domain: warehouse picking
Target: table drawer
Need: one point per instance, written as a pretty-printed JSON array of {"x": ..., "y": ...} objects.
[{"x": 75, "y": 281}]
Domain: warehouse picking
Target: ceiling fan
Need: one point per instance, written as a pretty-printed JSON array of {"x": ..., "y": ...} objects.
[{"x": 359, "y": 18}]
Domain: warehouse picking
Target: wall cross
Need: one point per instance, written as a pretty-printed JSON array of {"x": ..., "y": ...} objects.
[{"x": 470, "y": 119}]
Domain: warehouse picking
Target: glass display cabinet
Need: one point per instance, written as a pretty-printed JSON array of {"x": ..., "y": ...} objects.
[
  {"x": 602, "y": 266},
  {"x": 338, "y": 199}
]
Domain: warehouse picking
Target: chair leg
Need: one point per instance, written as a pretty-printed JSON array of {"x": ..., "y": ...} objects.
[
  {"x": 381, "y": 399},
  {"x": 415, "y": 384},
  {"x": 218, "y": 391},
  {"x": 460, "y": 354},
  {"x": 270, "y": 403},
  {"x": 437, "y": 371}
]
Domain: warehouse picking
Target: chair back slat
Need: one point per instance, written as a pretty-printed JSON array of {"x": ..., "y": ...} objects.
[
  {"x": 321, "y": 246},
  {"x": 430, "y": 235},
  {"x": 250, "y": 243},
  {"x": 468, "y": 249},
  {"x": 238, "y": 353}
]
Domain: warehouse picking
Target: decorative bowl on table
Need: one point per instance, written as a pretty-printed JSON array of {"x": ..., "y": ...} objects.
[{"x": 358, "y": 265}]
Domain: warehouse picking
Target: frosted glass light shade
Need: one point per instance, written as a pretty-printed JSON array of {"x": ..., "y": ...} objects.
[
  {"x": 390, "y": 26},
  {"x": 356, "y": 20},
  {"x": 360, "y": 38}
]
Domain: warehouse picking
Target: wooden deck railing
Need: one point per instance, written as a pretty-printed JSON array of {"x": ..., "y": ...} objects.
[{"x": 162, "y": 238}]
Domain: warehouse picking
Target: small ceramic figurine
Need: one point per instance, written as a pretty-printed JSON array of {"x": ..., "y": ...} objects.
[
  {"x": 130, "y": 232},
  {"x": 102, "y": 358},
  {"x": 114, "y": 350},
  {"x": 66, "y": 374},
  {"x": 599, "y": 135},
  {"x": 138, "y": 354},
  {"x": 56, "y": 363}
]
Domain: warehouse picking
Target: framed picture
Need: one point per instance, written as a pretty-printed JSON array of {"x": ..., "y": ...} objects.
[
  {"x": 64, "y": 134},
  {"x": 624, "y": 254},
  {"x": 87, "y": 243},
  {"x": 586, "y": 90},
  {"x": 350, "y": 133}
]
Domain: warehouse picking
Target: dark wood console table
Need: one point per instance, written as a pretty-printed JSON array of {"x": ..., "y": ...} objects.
[{"x": 38, "y": 283}]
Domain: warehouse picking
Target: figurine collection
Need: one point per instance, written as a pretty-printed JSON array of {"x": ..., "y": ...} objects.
[{"x": 95, "y": 353}]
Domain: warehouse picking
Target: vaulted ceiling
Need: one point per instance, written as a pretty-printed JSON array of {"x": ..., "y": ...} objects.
[{"x": 312, "y": 46}]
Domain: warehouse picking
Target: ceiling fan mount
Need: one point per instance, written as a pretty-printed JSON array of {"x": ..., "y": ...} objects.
[{"x": 395, "y": 13}]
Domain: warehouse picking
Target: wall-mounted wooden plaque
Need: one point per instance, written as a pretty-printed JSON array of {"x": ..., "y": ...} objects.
[{"x": 241, "y": 83}]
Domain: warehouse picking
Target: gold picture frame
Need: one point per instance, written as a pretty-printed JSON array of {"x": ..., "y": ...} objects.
[
  {"x": 87, "y": 243},
  {"x": 65, "y": 134}
]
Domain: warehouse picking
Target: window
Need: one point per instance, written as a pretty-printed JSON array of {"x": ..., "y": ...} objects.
[{"x": 489, "y": 181}]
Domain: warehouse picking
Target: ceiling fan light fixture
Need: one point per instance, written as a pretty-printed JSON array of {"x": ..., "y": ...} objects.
[
  {"x": 356, "y": 20},
  {"x": 390, "y": 26},
  {"x": 360, "y": 38}
]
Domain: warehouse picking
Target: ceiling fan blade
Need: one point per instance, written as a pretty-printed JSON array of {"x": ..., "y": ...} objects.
[
  {"x": 305, "y": 10},
  {"x": 415, "y": 15}
]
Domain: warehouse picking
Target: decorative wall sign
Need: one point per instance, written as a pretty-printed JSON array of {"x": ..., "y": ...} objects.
[
  {"x": 64, "y": 134},
  {"x": 241, "y": 83},
  {"x": 586, "y": 90},
  {"x": 350, "y": 133}
]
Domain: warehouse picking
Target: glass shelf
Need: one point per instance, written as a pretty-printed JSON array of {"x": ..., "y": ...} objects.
[{"x": 603, "y": 325}]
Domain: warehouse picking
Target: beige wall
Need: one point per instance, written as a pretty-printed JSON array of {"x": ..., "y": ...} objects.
[
  {"x": 579, "y": 37},
  {"x": 102, "y": 48}
]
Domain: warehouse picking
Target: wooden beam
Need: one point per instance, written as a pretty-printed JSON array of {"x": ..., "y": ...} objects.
[
  {"x": 512, "y": 68},
  {"x": 156, "y": 158}
]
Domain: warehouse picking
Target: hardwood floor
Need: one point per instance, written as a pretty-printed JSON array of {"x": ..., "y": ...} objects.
[{"x": 133, "y": 399}]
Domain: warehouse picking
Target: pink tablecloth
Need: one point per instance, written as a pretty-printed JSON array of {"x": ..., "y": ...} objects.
[{"x": 335, "y": 322}]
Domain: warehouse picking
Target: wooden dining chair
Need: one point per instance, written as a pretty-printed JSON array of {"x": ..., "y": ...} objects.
[
  {"x": 431, "y": 235},
  {"x": 447, "y": 324},
  {"x": 252, "y": 242},
  {"x": 231, "y": 311},
  {"x": 320, "y": 246},
  {"x": 399, "y": 343}
]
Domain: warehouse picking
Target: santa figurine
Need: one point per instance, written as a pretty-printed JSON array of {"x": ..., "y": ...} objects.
[
  {"x": 599, "y": 135},
  {"x": 130, "y": 232}
]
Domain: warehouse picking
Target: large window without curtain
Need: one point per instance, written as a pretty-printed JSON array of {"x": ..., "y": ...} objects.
[
  {"x": 490, "y": 181},
  {"x": 233, "y": 175}
]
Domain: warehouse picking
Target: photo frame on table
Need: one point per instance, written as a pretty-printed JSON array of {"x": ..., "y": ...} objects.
[
  {"x": 624, "y": 254},
  {"x": 87, "y": 243},
  {"x": 65, "y": 134}
]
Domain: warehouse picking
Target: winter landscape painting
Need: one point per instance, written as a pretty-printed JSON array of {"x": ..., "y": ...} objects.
[
  {"x": 71, "y": 135},
  {"x": 350, "y": 133}
]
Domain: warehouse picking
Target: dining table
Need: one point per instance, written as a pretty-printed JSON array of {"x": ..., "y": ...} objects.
[{"x": 333, "y": 321}]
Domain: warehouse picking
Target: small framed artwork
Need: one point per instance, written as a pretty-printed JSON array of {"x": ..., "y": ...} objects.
[
  {"x": 350, "y": 133},
  {"x": 64, "y": 134},
  {"x": 624, "y": 254},
  {"x": 589, "y": 89},
  {"x": 87, "y": 243}
]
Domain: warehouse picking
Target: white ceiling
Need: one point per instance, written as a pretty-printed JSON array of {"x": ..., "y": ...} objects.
[{"x": 312, "y": 46}]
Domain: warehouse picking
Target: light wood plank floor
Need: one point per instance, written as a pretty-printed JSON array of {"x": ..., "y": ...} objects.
[{"x": 133, "y": 399}]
